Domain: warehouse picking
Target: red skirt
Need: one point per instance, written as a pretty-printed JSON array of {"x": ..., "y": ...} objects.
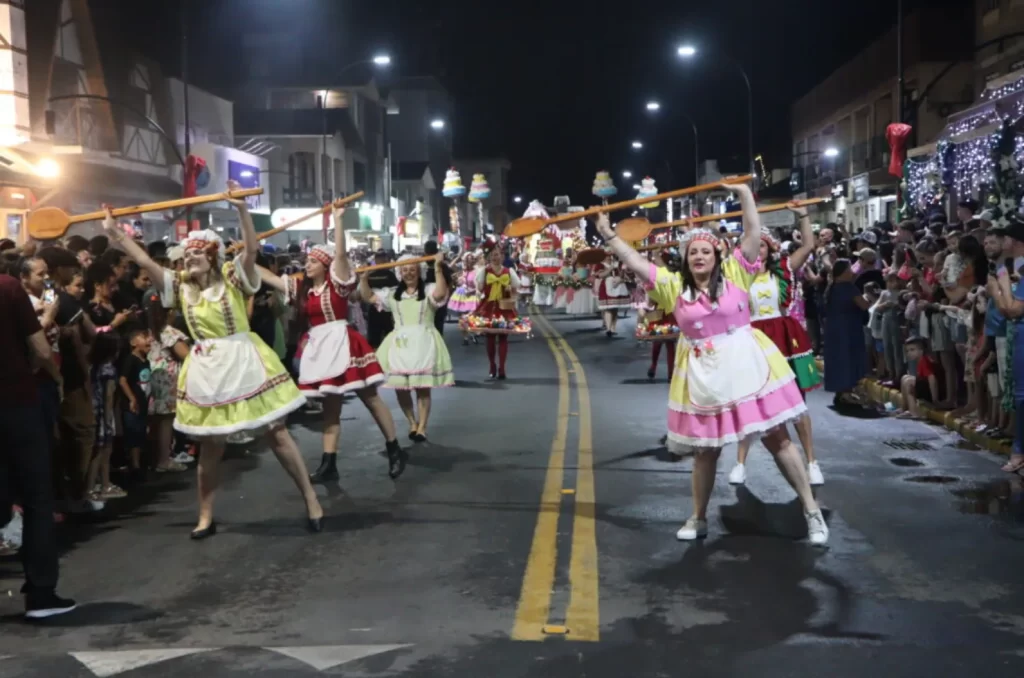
[
  {"x": 363, "y": 369},
  {"x": 606, "y": 301},
  {"x": 787, "y": 334}
]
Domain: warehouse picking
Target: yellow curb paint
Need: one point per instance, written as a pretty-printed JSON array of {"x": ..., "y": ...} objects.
[
  {"x": 554, "y": 630},
  {"x": 534, "y": 605}
]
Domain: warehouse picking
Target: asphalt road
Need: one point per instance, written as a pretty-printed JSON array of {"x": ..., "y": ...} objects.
[{"x": 534, "y": 536}]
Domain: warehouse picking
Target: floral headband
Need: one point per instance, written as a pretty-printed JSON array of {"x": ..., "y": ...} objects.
[
  {"x": 208, "y": 241},
  {"x": 701, "y": 234}
]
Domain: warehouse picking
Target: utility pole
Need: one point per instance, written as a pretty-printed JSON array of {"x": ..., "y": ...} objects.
[
  {"x": 901, "y": 112},
  {"x": 185, "y": 86}
]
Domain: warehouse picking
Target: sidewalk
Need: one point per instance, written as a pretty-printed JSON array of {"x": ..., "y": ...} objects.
[{"x": 881, "y": 395}]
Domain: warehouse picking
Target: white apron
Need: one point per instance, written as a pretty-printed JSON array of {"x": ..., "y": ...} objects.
[
  {"x": 326, "y": 354},
  {"x": 725, "y": 369},
  {"x": 224, "y": 370},
  {"x": 412, "y": 350},
  {"x": 614, "y": 287}
]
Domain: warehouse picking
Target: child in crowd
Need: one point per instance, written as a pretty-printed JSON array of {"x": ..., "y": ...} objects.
[
  {"x": 924, "y": 386},
  {"x": 168, "y": 350},
  {"x": 873, "y": 331},
  {"x": 135, "y": 387},
  {"x": 103, "y": 380}
]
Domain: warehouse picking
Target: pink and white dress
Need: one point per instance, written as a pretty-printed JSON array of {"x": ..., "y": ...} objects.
[{"x": 730, "y": 380}]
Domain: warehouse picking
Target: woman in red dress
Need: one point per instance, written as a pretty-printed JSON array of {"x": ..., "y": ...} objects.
[
  {"x": 496, "y": 285},
  {"x": 612, "y": 293},
  {"x": 334, "y": 358}
]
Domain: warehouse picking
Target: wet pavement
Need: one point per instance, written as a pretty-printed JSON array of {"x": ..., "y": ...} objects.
[{"x": 534, "y": 536}]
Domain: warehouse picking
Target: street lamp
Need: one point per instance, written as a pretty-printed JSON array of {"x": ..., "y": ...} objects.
[
  {"x": 832, "y": 152},
  {"x": 517, "y": 199},
  {"x": 653, "y": 106},
  {"x": 688, "y": 52},
  {"x": 437, "y": 124},
  {"x": 637, "y": 145},
  {"x": 626, "y": 174},
  {"x": 382, "y": 60}
]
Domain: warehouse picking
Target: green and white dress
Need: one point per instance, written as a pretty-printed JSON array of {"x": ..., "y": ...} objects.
[
  {"x": 231, "y": 380},
  {"x": 414, "y": 354}
]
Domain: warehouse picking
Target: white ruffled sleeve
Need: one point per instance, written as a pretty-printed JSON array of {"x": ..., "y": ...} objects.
[
  {"x": 234, "y": 274},
  {"x": 429, "y": 292},
  {"x": 343, "y": 287},
  {"x": 169, "y": 289}
]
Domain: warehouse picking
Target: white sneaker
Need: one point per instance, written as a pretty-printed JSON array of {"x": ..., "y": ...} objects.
[
  {"x": 240, "y": 438},
  {"x": 85, "y": 506},
  {"x": 814, "y": 474},
  {"x": 817, "y": 529},
  {"x": 692, "y": 529},
  {"x": 738, "y": 474},
  {"x": 11, "y": 533},
  {"x": 183, "y": 458}
]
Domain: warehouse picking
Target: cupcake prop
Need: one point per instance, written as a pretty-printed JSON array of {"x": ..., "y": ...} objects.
[
  {"x": 648, "y": 190},
  {"x": 453, "y": 187},
  {"x": 479, "y": 191},
  {"x": 603, "y": 186}
]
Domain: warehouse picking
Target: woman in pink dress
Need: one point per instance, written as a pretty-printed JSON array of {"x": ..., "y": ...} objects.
[
  {"x": 730, "y": 382},
  {"x": 335, "y": 359}
]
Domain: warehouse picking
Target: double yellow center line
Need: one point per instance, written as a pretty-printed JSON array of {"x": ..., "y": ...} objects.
[{"x": 537, "y": 617}]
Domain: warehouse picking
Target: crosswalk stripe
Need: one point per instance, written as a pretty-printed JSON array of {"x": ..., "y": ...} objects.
[
  {"x": 105, "y": 664},
  {"x": 326, "y": 657}
]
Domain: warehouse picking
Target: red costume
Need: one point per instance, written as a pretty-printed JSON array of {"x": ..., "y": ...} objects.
[{"x": 333, "y": 357}]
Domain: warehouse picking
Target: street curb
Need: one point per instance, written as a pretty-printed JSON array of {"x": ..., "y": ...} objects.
[{"x": 882, "y": 395}]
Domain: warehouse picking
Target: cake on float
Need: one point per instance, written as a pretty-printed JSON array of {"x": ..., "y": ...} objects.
[
  {"x": 453, "y": 187},
  {"x": 603, "y": 186}
]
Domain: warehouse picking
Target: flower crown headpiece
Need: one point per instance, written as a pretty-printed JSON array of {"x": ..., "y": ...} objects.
[{"x": 701, "y": 234}]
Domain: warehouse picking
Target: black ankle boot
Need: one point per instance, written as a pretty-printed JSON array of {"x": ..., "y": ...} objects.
[
  {"x": 328, "y": 469},
  {"x": 397, "y": 458}
]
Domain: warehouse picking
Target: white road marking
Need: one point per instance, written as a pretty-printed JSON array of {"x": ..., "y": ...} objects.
[
  {"x": 105, "y": 664},
  {"x": 326, "y": 657}
]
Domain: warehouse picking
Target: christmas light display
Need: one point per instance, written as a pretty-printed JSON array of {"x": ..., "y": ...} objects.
[{"x": 1003, "y": 91}]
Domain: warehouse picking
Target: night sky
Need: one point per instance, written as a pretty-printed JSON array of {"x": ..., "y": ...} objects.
[{"x": 560, "y": 87}]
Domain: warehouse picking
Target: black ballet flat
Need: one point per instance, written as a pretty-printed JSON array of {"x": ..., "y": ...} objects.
[
  {"x": 501, "y": 376},
  {"x": 206, "y": 532},
  {"x": 315, "y": 525},
  {"x": 650, "y": 374},
  {"x": 412, "y": 435},
  {"x": 419, "y": 438}
]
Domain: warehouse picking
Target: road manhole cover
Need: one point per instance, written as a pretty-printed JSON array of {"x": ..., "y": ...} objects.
[
  {"x": 905, "y": 461},
  {"x": 933, "y": 480},
  {"x": 908, "y": 445}
]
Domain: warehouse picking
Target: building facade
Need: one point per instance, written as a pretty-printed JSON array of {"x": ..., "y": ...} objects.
[{"x": 838, "y": 128}]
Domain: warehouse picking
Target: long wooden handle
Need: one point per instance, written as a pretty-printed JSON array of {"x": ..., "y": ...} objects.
[
  {"x": 730, "y": 215},
  {"x": 643, "y": 201},
  {"x": 395, "y": 264},
  {"x": 341, "y": 202},
  {"x": 166, "y": 205},
  {"x": 718, "y": 217}
]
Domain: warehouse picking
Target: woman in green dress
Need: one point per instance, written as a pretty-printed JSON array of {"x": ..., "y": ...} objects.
[
  {"x": 414, "y": 356},
  {"x": 231, "y": 380}
]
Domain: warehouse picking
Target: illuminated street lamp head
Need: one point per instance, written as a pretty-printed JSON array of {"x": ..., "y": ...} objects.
[
  {"x": 637, "y": 145},
  {"x": 637, "y": 187},
  {"x": 48, "y": 169},
  {"x": 653, "y": 106},
  {"x": 831, "y": 152},
  {"x": 686, "y": 51},
  {"x": 517, "y": 199},
  {"x": 382, "y": 60},
  {"x": 437, "y": 124},
  {"x": 626, "y": 174}
]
